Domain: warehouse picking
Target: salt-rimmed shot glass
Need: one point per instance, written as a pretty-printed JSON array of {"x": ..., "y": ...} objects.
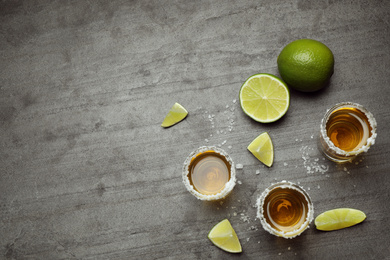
[
  {"x": 209, "y": 173},
  {"x": 285, "y": 209},
  {"x": 347, "y": 130}
]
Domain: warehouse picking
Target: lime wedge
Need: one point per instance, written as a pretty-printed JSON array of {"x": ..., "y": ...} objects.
[
  {"x": 339, "y": 218},
  {"x": 264, "y": 97},
  {"x": 175, "y": 115},
  {"x": 223, "y": 236},
  {"x": 263, "y": 149}
]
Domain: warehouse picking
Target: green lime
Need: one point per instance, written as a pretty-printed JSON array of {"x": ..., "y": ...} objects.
[
  {"x": 175, "y": 115},
  {"x": 264, "y": 97},
  {"x": 306, "y": 65},
  {"x": 223, "y": 236},
  {"x": 339, "y": 218},
  {"x": 263, "y": 149}
]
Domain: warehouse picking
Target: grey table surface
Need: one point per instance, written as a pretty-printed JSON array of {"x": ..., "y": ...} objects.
[{"x": 87, "y": 172}]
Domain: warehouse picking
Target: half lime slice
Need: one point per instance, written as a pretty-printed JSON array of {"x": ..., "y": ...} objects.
[{"x": 264, "y": 97}]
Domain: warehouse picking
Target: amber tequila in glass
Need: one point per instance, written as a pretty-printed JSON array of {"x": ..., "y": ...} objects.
[
  {"x": 347, "y": 130},
  {"x": 285, "y": 209},
  {"x": 209, "y": 173}
]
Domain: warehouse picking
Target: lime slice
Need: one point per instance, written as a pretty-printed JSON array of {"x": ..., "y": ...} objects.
[
  {"x": 223, "y": 236},
  {"x": 263, "y": 149},
  {"x": 339, "y": 218},
  {"x": 175, "y": 115},
  {"x": 264, "y": 97}
]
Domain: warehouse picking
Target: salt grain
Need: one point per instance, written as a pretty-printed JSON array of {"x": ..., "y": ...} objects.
[
  {"x": 312, "y": 165},
  {"x": 239, "y": 166}
]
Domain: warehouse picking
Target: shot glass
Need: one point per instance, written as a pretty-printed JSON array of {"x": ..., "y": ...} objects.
[
  {"x": 209, "y": 173},
  {"x": 285, "y": 209},
  {"x": 347, "y": 130}
]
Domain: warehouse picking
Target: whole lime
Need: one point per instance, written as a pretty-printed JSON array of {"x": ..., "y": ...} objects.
[{"x": 306, "y": 65}]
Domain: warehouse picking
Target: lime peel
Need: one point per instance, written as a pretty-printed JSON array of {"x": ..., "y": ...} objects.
[
  {"x": 262, "y": 148},
  {"x": 223, "y": 236},
  {"x": 176, "y": 114},
  {"x": 306, "y": 65},
  {"x": 340, "y": 218}
]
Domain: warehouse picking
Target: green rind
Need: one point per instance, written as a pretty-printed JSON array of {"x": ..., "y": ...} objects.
[{"x": 294, "y": 76}]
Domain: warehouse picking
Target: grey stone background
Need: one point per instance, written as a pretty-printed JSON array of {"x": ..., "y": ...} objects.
[{"x": 86, "y": 171}]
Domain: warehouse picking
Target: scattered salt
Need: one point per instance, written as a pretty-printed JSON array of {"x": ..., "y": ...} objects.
[
  {"x": 239, "y": 182},
  {"x": 312, "y": 165},
  {"x": 239, "y": 166},
  {"x": 244, "y": 217},
  {"x": 257, "y": 172}
]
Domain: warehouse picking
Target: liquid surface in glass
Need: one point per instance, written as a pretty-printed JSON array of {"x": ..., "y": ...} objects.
[
  {"x": 209, "y": 172},
  {"x": 348, "y": 128},
  {"x": 285, "y": 209}
]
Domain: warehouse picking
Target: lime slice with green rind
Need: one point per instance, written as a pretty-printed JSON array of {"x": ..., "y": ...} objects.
[
  {"x": 264, "y": 97},
  {"x": 339, "y": 218},
  {"x": 263, "y": 149},
  {"x": 176, "y": 114},
  {"x": 223, "y": 236}
]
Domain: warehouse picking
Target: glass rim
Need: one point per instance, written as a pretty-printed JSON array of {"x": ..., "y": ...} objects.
[
  {"x": 289, "y": 234},
  {"x": 371, "y": 120},
  {"x": 228, "y": 186}
]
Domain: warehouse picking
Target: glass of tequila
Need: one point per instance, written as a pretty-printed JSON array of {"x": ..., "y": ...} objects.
[
  {"x": 209, "y": 173},
  {"x": 285, "y": 209},
  {"x": 347, "y": 130}
]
